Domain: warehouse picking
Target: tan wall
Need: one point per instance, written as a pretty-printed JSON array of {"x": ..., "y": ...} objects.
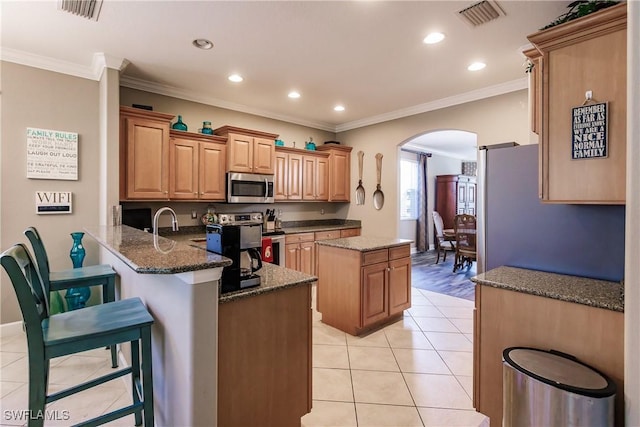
[
  {"x": 36, "y": 98},
  {"x": 495, "y": 120}
]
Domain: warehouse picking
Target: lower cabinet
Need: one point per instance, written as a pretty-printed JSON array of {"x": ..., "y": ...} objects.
[
  {"x": 264, "y": 359},
  {"x": 359, "y": 290},
  {"x": 300, "y": 252}
]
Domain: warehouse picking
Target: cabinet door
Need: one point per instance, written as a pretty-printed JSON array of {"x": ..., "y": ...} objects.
[
  {"x": 399, "y": 285},
  {"x": 240, "y": 153},
  {"x": 281, "y": 176},
  {"x": 212, "y": 171},
  {"x": 263, "y": 156},
  {"x": 294, "y": 179},
  {"x": 340, "y": 190},
  {"x": 147, "y": 159},
  {"x": 292, "y": 257},
  {"x": 350, "y": 232},
  {"x": 374, "y": 293},
  {"x": 307, "y": 257},
  {"x": 308, "y": 178},
  {"x": 322, "y": 179},
  {"x": 471, "y": 199},
  {"x": 183, "y": 169}
]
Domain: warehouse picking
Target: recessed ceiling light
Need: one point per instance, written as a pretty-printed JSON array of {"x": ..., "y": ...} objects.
[
  {"x": 202, "y": 44},
  {"x": 338, "y": 108},
  {"x": 294, "y": 94},
  {"x": 236, "y": 78},
  {"x": 434, "y": 38},
  {"x": 476, "y": 66}
]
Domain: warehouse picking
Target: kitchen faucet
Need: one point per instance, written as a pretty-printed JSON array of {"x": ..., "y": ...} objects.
[{"x": 174, "y": 219}]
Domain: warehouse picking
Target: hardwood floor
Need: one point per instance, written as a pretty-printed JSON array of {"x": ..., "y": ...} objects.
[{"x": 426, "y": 274}]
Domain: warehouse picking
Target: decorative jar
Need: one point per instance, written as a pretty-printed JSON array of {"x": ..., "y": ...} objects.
[
  {"x": 179, "y": 125},
  {"x": 77, "y": 297},
  {"x": 206, "y": 128}
]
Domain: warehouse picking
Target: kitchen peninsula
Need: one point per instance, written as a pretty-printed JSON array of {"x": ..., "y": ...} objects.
[
  {"x": 179, "y": 283},
  {"x": 520, "y": 307}
]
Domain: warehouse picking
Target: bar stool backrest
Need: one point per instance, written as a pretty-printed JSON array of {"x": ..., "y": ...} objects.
[
  {"x": 33, "y": 300},
  {"x": 41, "y": 256}
]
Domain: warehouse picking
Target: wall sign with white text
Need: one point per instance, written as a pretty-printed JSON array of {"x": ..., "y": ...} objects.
[
  {"x": 53, "y": 202},
  {"x": 589, "y": 131},
  {"x": 52, "y": 154}
]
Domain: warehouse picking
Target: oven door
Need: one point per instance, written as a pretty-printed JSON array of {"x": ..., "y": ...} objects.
[{"x": 249, "y": 188}]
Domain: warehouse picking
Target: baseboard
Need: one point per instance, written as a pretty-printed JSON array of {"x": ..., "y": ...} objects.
[{"x": 13, "y": 328}]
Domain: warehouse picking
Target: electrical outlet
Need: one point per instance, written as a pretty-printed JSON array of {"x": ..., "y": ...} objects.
[
  {"x": 322, "y": 211},
  {"x": 194, "y": 214}
]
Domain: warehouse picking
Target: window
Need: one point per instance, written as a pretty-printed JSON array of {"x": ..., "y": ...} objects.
[{"x": 408, "y": 189}]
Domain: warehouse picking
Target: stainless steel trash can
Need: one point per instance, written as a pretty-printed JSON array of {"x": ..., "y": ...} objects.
[{"x": 548, "y": 388}]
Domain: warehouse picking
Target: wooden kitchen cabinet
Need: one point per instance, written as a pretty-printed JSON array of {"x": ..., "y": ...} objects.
[
  {"x": 360, "y": 290},
  {"x": 506, "y": 318},
  {"x": 144, "y": 154},
  {"x": 455, "y": 195},
  {"x": 264, "y": 359},
  {"x": 248, "y": 150},
  {"x": 339, "y": 171},
  {"x": 535, "y": 89},
  {"x": 350, "y": 232},
  {"x": 196, "y": 167},
  {"x": 288, "y": 174},
  {"x": 315, "y": 177},
  {"x": 300, "y": 252},
  {"x": 586, "y": 54}
]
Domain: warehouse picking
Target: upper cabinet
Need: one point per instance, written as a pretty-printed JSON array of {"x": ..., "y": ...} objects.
[
  {"x": 315, "y": 176},
  {"x": 582, "y": 150},
  {"x": 339, "y": 171},
  {"x": 197, "y": 166},
  {"x": 248, "y": 150},
  {"x": 144, "y": 154},
  {"x": 288, "y": 174}
]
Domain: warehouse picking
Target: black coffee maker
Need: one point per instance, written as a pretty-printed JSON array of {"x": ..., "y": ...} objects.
[{"x": 242, "y": 244}]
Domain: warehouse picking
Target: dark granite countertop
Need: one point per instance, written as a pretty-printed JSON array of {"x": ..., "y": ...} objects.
[
  {"x": 362, "y": 243},
  {"x": 148, "y": 255},
  {"x": 581, "y": 290},
  {"x": 273, "y": 278}
]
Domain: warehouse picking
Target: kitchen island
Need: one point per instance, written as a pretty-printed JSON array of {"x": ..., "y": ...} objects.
[
  {"x": 519, "y": 307},
  {"x": 179, "y": 283},
  {"x": 363, "y": 282}
]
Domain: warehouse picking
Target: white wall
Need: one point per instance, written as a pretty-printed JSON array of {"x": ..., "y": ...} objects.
[{"x": 494, "y": 120}]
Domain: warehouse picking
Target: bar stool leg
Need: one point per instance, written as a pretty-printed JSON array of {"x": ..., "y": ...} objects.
[
  {"x": 147, "y": 376},
  {"x": 37, "y": 392},
  {"x": 135, "y": 377},
  {"x": 109, "y": 295}
]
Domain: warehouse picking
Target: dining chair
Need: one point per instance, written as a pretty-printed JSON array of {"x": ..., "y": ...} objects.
[
  {"x": 464, "y": 227},
  {"x": 51, "y": 336},
  {"x": 443, "y": 244},
  {"x": 94, "y": 275}
]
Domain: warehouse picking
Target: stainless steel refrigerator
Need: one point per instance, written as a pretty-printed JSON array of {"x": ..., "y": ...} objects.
[{"x": 516, "y": 229}]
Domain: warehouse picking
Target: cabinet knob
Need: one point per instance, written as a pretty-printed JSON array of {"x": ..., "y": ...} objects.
[
  {"x": 202, "y": 193},
  {"x": 166, "y": 192},
  {"x": 195, "y": 193}
]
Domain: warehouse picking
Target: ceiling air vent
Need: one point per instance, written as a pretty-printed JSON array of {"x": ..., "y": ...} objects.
[
  {"x": 89, "y": 9},
  {"x": 481, "y": 13}
]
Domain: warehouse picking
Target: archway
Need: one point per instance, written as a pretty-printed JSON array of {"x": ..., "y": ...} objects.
[{"x": 450, "y": 150}]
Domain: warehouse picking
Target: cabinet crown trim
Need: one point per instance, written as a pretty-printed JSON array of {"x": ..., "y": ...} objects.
[
  {"x": 302, "y": 151},
  {"x": 197, "y": 136},
  {"x": 603, "y": 22},
  {"x": 327, "y": 147},
  {"x": 225, "y": 130},
  {"x": 145, "y": 114}
]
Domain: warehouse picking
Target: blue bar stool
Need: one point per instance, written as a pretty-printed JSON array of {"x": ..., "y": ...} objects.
[
  {"x": 51, "y": 336},
  {"x": 92, "y": 275}
]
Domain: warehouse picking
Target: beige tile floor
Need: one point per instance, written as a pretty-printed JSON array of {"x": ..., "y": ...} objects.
[{"x": 415, "y": 372}]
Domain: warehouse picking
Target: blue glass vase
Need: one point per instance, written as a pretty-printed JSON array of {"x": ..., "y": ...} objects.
[
  {"x": 179, "y": 125},
  {"x": 77, "y": 297}
]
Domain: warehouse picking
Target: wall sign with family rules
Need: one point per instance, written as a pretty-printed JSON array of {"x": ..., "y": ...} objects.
[
  {"x": 52, "y": 154},
  {"x": 589, "y": 131}
]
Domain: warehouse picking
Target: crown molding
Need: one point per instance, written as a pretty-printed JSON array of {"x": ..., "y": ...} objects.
[
  {"x": 93, "y": 72},
  {"x": 101, "y": 61},
  {"x": 133, "y": 83},
  {"x": 463, "y": 98}
]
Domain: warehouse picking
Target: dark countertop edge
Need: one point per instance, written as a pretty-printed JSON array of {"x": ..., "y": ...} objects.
[
  {"x": 156, "y": 270},
  {"x": 285, "y": 278},
  {"x": 612, "y": 304},
  {"x": 193, "y": 231}
]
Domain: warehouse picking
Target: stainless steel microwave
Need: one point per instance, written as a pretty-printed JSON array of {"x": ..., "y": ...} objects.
[{"x": 249, "y": 188}]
